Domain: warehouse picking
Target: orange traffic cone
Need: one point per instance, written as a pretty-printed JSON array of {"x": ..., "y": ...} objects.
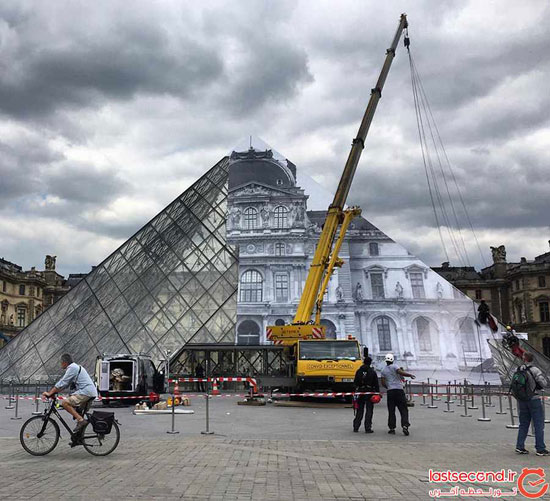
[{"x": 215, "y": 390}]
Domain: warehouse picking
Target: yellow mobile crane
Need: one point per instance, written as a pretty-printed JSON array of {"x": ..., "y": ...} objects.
[{"x": 320, "y": 363}]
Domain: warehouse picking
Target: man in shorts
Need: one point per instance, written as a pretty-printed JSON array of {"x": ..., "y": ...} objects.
[{"x": 84, "y": 389}]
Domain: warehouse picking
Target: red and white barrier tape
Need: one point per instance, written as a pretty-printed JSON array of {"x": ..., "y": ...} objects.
[
  {"x": 191, "y": 380},
  {"x": 275, "y": 395}
]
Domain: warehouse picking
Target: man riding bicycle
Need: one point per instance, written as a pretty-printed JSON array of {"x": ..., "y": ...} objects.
[{"x": 84, "y": 389}]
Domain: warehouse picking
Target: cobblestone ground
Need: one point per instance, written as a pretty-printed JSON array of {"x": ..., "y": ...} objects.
[{"x": 261, "y": 453}]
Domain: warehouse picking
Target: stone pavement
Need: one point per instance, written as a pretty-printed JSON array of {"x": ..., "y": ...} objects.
[{"x": 261, "y": 453}]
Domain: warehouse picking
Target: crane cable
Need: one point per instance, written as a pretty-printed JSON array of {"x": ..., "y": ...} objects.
[
  {"x": 420, "y": 133},
  {"x": 425, "y": 120},
  {"x": 433, "y": 186},
  {"x": 457, "y": 240},
  {"x": 449, "y": 166}
]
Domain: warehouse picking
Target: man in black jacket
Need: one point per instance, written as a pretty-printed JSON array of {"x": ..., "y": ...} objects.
[{"x": 365, "y": 380}]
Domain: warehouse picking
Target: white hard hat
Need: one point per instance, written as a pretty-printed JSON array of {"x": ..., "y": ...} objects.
[{"x": 389, "y": 357}]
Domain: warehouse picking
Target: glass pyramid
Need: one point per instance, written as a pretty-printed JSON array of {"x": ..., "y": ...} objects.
[{"x": 174, "y": 282}]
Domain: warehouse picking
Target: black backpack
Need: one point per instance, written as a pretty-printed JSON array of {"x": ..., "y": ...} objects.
[{"x": 521, "y": 387}]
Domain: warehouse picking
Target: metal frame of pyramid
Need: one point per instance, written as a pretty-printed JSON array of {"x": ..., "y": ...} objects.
[{"x": 174, "y": 282}]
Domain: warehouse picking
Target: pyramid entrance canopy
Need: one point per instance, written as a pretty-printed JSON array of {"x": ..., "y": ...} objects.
[{"x": 174, "y": 282}]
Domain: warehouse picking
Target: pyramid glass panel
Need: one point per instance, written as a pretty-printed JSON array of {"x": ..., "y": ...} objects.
[{"x": 149, "y": 296}]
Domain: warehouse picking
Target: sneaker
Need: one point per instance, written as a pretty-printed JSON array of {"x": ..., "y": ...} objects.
[
  {"x": 391, "y": 432},
  {"x": 80, "y": 425},
  {"x": 369, "y": 431},
  {"x": 521, "y": 451},
  {"x": 355, "y": 431},
  {"x": 544, "y": 452},
  {"x": 406, "y": 430}
]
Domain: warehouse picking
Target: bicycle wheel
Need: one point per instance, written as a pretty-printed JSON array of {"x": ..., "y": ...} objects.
[
  {"x": 32, "y": 443},
  {"x": 101, "y": 445}
]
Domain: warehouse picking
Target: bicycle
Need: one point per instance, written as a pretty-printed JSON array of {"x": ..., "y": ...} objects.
[{"x": 39, "y": 435}]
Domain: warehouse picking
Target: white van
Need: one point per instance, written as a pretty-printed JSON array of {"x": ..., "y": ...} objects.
[{"x": 127, "y": 375}]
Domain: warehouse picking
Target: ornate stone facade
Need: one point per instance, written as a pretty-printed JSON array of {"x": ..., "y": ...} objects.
[
  {"x": 26, "y": 294},
  {"x": 21, "y": 298},
  {"x": 517, "y": 293},
  {"x": 383, "y": 295}
]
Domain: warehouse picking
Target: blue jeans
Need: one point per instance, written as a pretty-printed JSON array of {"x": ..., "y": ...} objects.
[{"x": 531, "y": 411}]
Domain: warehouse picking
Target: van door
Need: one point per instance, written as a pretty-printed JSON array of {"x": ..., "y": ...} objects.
[
  {"x": 104, "y": 376},
  {"x": 149, "y": 372},
  {"x": 136, "y": 373}
]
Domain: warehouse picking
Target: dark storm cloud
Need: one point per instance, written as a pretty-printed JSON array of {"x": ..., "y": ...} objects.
[
  {"x": 513, "y": 194},
  {"x": 273, "y": 72},
  {"x": 84, "y": 183},
  {"x": 21, "y": 159},
  {"x": 70, "y": 62},
  {"x": 162, "y": 88},
  {"x": 88, "y": 63}
]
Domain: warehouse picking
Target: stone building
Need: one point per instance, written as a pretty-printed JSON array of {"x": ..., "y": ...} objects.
[
  {"x": 26, "y": 294},
  {"x": 517, "y": 293},
  {"x": 21, "y": 297},
  {"x": 383, "y": 295}
]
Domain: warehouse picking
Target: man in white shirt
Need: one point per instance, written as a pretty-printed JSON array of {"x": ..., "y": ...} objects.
[
  {"x": 392, "y": 380},
  {"x": 85, "y": 388}
]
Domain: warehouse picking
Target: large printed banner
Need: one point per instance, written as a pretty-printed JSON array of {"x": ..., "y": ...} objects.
[{"x": 384, "y": 296}]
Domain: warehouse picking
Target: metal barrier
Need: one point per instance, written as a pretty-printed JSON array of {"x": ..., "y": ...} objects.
[
  {"x": 10, "y": 401},
  {"x": 472, "y": 406},
  {"x": 448, "y": 402},
  {"x": 17, "y": 416},
  {"x": 173, "y": 430},
  {"x": 483, "y": 415},
  {"x": 511, "y": 408},
  {"x": 465, "y": 408},
  {"x": 36, "y": 412},
  {"x": 464, "y": 394},
  {"x": 432, "y": 406}
]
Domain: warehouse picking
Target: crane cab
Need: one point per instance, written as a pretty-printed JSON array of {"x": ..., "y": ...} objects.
[{"x": 327, "y": 365}]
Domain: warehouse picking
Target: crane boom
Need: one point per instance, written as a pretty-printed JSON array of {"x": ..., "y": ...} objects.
[{"x": 323, "y": 264}]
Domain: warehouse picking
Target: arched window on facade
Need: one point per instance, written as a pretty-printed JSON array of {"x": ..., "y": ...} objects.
[
  {"x": 279, "y": 321},
  {"x": 248, "y": 332},
  {"x": 250, "y": 218},
  {"x": 280, "y": 249},
  {"x": 330, "y": 331},
  {"x": 251, "y": 287},
  {"x": 280, "y": 215},
  {"x": 424, "y": 334},
  {"x": 468, "y": 335},
  {"x": 384, "y": 333}
]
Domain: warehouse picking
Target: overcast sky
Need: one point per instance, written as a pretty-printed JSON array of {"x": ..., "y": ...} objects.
[{"x": 110, "y": 109}]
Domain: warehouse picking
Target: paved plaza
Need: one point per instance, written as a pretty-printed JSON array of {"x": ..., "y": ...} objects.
[{"x": 269, "y": 452}]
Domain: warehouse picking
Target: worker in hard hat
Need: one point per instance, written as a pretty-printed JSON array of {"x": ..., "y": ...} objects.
[
  {"x": 365, "y": 380},
  {"x": 392, "y": 380}
]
